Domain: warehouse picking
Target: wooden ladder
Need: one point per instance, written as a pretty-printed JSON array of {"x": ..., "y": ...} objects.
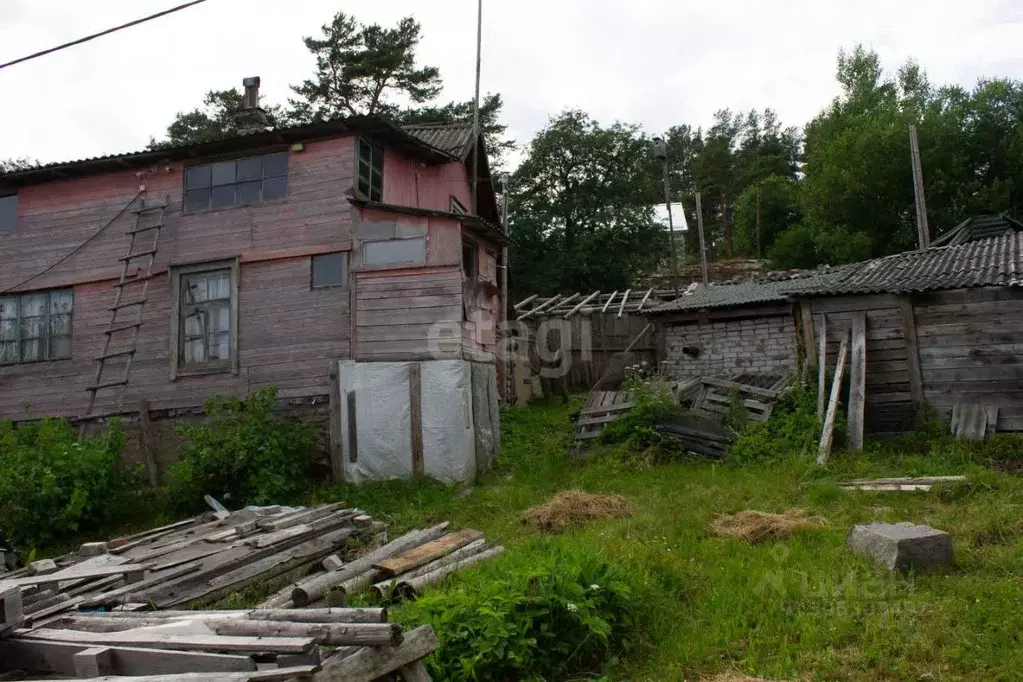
[{"x": 148, "y": 218}]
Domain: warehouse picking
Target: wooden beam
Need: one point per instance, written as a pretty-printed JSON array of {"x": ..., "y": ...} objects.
[
  {"x": 822, "y": 361},
  {"x": 806, "y": 323},
  {"x": 828, "y": 432},
  {"x": 581, "y": 303},
  {"x": 563, "y": 302},
  {"x": 916, "y": 384},
  {"x": 337, "y": 462},
  {"x": 155, "y": 640},
  {"x": 542, "y": 306},
  {"x": 857, "y": 380},
  {"x": 132, "y": 572},
  {"x": 415, "y": 393},
  {"x": 625, "y": 297},
  {"x": 645, "y": 297},
  {"x": 610, "y": 298},
  {"x": 147, "y": 443},
  {"x": 524, "y": 302}
]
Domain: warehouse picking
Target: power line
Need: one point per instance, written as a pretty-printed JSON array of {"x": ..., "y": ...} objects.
[{"x": 102, "y": 33}]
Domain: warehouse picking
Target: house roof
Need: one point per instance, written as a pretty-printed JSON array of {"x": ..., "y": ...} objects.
[
  {"x": 979, "y": 227},
  {"x": 453, "y": 138},
  {"x": 413, "y": 141},
  {"x": 766, "y": 289},
  {"x": 995, "y": 261}
]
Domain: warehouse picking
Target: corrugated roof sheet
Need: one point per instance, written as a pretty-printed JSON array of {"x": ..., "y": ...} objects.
[
  {"x": 979, "y": 227},
  {"x": 765, "y": 290},
  {"x": 996, "y": 261},
  {"x": 453, "y": 138}
]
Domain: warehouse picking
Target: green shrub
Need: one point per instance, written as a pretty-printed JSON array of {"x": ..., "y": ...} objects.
[
  {"x": 565, "y": 615},
  {"x": 53, "y": 485},
  {"x": 636, "y": 427},
  {"x": 792, "y": 430},
  {"x": 243, "y": 453}
]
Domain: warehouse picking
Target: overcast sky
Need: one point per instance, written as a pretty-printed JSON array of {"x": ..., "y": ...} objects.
[{"x": 651, "y": 62}]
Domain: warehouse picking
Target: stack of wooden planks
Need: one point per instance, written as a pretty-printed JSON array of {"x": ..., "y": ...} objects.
[
  {"x": 758, "y": 393},
  {"x": 602, "y": 407},
  {"x": 119, "y": 608}
]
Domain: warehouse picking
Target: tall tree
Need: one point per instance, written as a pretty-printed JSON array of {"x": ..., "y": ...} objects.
[
  {"x": 583, "y": 217},
  {"x": 17, "y": 163},
  {"x": 212, "y": 121},
  {"x": 359, "y": 65}
]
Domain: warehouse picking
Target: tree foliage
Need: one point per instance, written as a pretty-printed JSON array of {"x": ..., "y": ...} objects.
[
  {"x": 491, "y": 128},
  {"x": 583, "y": 208},
  {"x": 18, "y": 163},
  {"x": 213, "y": 120}
]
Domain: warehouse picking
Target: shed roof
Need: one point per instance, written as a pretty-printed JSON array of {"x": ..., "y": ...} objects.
[
  {"x": 979, "y": 227},
  {"x": 452, "y": 138},
  {"x": 761, "y": 290},
  {"x": 995, "y": 261}
]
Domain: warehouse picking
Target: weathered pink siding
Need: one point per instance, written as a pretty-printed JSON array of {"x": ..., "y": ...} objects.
[
  {"x": 287, "y": 331},
  {"x": 408, "y": 182}
]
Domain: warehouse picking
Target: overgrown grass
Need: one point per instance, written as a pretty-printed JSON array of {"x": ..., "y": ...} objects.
[{"x": 802, "y": 607}]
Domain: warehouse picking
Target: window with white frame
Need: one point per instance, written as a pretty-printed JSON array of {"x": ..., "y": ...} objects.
[
  {"x": 205, "y": 317},
  {"x": 36, "y": 326}
]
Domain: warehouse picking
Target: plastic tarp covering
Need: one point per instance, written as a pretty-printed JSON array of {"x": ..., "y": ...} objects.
[
  {"x": 383, "y": 420},
  {"x": 449, "y": 442}
]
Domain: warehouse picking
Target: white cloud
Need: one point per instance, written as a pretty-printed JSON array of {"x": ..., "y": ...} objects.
[{"x": 652, "y": 62}]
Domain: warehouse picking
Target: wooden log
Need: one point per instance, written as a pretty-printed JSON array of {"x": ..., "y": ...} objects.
[
  {"x": 337, "y": 464},
  {"x": 414, "y": 586},
  {"x": 415, "y": 393},
  {"x": 370, "y": 664},
  {"x": 822, "y": 357},
  {"x": 415, "y": 672},
  {"x": 857, "y": 381},
  {"x": 148, "y": 452},
  {"x": 332, "y": 563},
  {"x": 384, "y": 588},
  {"x": 333, "y": 634},
  {"x": 328, "y": 615},
  {"x": 625, "y": 297},
  {"x": 57, "y": 658},
  {"x": 316, "y": 587},
  {"x": 427, "y": 552},
  {"x": 157, "y": 640},
  {"x": 290, "y": 674},
  {"x": 581, "y": 303},
  {"x": 827, "y": 432}
]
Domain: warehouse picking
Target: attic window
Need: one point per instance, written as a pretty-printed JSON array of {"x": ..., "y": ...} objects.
[
  {"x": 370, "y": 184},
  {"x": 8, "y": 213}
]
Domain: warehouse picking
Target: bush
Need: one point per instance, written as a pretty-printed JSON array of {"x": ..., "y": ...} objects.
[
  {"x": 653, "y": 402},
  {"x": 792, "y": 430},
  {"x": 53, "y": 485},
  {"x": 547, "y": 621},
  {"x": 243, "y": 454}
]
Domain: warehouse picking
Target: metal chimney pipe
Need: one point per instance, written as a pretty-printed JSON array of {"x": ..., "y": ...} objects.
[{"x": 251, "y": 97}]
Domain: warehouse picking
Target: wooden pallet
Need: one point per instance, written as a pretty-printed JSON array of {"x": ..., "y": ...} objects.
[
  {"x": 757, "y": 392},
  {"x": 602, "y": 407}
]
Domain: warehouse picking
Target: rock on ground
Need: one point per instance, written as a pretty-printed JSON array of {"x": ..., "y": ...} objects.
[{"x": 903, "y": 546}]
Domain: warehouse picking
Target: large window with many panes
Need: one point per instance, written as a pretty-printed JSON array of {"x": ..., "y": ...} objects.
[
  {"x": 36, "y": 326},
  {"x": 236, "y": 183}
]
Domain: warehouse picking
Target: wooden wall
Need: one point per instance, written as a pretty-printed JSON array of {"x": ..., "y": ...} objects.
[
  {"x": 971, "y": 350},
  {"x": 889, "y": 405}
]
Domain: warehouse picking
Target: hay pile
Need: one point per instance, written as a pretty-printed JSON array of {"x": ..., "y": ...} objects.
[
  {"x": 574, "y": 507},
  {"x": 757, "y": 526}
]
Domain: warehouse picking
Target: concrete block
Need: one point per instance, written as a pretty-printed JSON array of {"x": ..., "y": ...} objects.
[
  {"x": 93, "y": 549},
  {"x": 42, "y": 567},
  {"x": 902, "y": 546}
]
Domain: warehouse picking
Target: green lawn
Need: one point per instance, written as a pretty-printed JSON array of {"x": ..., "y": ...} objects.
[{"x": 802, "y": 608}]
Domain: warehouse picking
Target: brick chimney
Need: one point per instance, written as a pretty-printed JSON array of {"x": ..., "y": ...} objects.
[{"x": 250, "y": 118}]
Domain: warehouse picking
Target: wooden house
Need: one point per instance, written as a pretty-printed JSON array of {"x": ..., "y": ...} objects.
[
  {"x": 942, "y": 327},
  {"x": 167, "y": 275}
]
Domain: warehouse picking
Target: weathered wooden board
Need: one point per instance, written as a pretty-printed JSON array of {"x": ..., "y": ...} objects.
[
  {"x": 428, "y": 552},
  {"x": 156, "y": 640}
]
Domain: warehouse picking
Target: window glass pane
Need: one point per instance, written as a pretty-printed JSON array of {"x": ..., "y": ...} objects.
[
  {"x": 60, "y": 325},
  {"x": 194, "y": 351},
  {"x": 60, "y": 347},
  {"x": 8, "y": 308},
  {"x": 194, "y": 323},
  {"x": 220, "y": 318},
  {"x": 274, "y": 188},
  {"x": 394, "y": 251},
  {"x": 223, "y": 173},
  {"x": 250, "y": 169},
  {"x": 375, "y": 193},
  {"x": 223, "y": 196},
  {"x": 8, "y": 352},
  {"x": 197, "y": 199},
  {"x": 220, "y": 286},
  {"x": 33, "y": 305},
  {"x": 220, "y": 346},
  {"x": 363, "y": 187},
  {"x": 197, "y": 176},
  {"x": 378, "y": 159},
  {"x": 61, "y": 302},
  {"x": 8, "y": 330},
  {"x": 8, "y": 212},
  {"x": 31, "y": 350},
  {"x": 330, "y": 269},
  {"x": 275, "y": 165},
  {"x": 248, "y": 192}
]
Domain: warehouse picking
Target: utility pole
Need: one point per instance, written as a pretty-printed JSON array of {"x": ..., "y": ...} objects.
[
  {"x": 506, "y": 360},
  {"x": 922, "y": 229},
  {"x": 476, "y": 111},
  {"x": 760, "y": 224},
  {"x": 661, "y": 153},
  {"x": 703, "y": 246}
]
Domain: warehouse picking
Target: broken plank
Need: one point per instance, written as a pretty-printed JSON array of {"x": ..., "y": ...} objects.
[
  {"x": 828, "y": 431},
  {"x": 369, "y": 664},
  {"x": 742, "y": 388},
  {"x": 156, "y": 640}
]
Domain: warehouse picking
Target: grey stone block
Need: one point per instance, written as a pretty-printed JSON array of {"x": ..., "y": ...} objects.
[{"x": 903, "y": 546}]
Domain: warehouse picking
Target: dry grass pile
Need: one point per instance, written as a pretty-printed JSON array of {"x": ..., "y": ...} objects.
[
  {"x": 757, "y": 526},
  {"x": 574, "y": 507}
]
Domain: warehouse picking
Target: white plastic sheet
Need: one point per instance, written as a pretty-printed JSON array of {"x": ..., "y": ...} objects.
[{"x": 449, "y": 452}]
